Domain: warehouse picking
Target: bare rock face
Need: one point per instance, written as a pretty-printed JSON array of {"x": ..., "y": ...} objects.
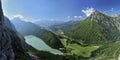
[
  {"x": 11, "y": 47},
  {"x": 6, "y": 52}
]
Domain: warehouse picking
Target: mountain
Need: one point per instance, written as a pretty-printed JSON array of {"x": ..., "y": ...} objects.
[
  {"x": 95, "y": 29},
  {"x": 115, "y": 15},
  {"x": 11, "y": 45},
  {"x": 63, "y": 25},
  {"x": 48, "y": 23},
  {"x": 28, "y": 28},
  {"x": 117, "y": 21},
  {"x": 8, "y": 24},
  {"x": 25, "y": 28},
  {"x": 95, "y": 38}
]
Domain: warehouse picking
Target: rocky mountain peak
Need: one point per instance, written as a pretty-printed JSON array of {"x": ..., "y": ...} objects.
[
  {"x": 115, "y": 15},
  {"x": 97, "y": 12},
  {"x": 96, "y": 15},
  {"x": 101, "y": 18}
]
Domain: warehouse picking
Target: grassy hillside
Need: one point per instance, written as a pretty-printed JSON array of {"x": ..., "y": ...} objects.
[
  {"x": 94, "y": 38},
  {"x": 94, "y": 30},
  {"x": 75, "y": 49},
  {"x": 108, "y": 52}
]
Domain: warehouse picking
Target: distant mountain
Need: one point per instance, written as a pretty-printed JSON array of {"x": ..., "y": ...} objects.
[
  {"x": 8, "y": 24},
  {"x": 48, "y": 23},
  {"x": 25, "y": 28},
  {"x": 28, "y": 28},
  {"x": 63, "y": 25}
]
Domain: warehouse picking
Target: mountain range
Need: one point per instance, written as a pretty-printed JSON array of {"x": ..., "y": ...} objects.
[
  {"x": 63, "y": 25},
  {"x": 48, "y": 23},
  {"x": 95, "y": 38}
]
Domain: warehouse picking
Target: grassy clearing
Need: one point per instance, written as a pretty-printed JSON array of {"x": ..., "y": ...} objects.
[
  {"x": 75, "y": 49},
  {"x": 64, "y": 42}
]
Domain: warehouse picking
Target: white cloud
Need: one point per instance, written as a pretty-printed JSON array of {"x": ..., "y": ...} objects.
[
  {"x": 75, "y": 16},
  {"x": 18, "y": 16},
  {"x": 22, "y": 18},
  {"x": 88, "y": 11},
  {"x": 15, "y": 16},
  {"x": 80, "y": 17}
]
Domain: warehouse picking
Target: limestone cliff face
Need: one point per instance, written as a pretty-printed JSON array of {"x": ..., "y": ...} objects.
[{"x": 11, "y": 47}]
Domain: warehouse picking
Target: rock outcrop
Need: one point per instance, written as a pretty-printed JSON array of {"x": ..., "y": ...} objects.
[
  {"x": 11, "y": 45},
  {"x": 6, "y": 52}
]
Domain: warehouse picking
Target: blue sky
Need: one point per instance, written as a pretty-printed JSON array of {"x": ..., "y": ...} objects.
[{"x": 57, "y": 9}]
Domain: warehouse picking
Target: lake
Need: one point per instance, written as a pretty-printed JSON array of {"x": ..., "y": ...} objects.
[{"x": 40, "y": 45}]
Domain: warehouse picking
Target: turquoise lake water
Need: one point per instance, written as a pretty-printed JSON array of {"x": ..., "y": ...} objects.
[{"x": 40, "y": 45}]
